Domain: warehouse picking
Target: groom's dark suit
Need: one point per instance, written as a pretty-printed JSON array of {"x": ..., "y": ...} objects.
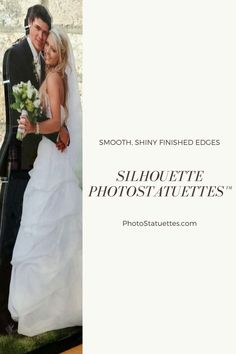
[
  {"x": 18, "y": 159},
  {"x": 21, "y": 68}
]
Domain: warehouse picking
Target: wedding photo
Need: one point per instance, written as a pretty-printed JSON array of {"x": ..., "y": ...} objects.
[
  {"x": 157, "y": 96},
  {"x": 41, "y": 177}
]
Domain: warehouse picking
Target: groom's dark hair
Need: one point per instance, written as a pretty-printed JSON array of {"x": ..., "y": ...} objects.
[{"x": 38, "y": 11}]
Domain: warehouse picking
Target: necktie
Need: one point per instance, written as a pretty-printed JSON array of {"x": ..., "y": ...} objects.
[{"x": 37, "y": 66}]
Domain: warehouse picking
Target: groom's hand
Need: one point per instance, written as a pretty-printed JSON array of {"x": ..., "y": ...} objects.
[{"x": 63, "y": 139}]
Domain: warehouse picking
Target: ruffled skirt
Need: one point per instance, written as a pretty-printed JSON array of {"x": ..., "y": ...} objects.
[{"x": 45, "y": 289}]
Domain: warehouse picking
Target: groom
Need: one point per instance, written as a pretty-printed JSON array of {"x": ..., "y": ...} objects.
[{"x": 23, "y": 62}]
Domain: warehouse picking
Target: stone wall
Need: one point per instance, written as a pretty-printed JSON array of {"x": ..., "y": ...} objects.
[{"x": 65, "y": 13}]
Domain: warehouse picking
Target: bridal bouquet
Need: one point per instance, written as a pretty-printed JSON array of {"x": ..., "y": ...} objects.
[{"x": 26, "y": 102}]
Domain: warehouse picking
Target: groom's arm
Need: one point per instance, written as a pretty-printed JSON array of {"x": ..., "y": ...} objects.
[
  {"x": 60, "y": 138},
  {"x": 63, "y": 138}
]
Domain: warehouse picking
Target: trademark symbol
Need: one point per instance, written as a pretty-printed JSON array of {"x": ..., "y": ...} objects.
[{"x": 229, "y": 187}]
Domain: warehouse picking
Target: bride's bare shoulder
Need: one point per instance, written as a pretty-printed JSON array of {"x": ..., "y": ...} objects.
[{"x": 54, "y": 82}]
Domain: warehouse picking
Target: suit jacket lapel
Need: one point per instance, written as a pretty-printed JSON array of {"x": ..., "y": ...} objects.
[{"x": 32, "y": 73}]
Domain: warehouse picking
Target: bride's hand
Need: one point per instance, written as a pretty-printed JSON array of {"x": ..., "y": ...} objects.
[{"x": 25, "y": 124}]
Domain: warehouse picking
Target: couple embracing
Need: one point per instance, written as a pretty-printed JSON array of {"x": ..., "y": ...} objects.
[{"x": 46, "y": 275}]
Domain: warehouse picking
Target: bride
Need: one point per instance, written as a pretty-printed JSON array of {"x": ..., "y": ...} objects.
[{"x": 45, "y": 289}]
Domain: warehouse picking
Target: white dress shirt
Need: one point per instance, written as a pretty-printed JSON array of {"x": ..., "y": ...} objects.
[{"x": 36, "y": 57}]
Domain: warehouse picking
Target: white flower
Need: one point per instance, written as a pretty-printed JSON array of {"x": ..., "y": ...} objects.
[
  {"x": 37, "y": 103},
  {"x": 30, "y": 90},
  {"x": 15, "y": 88}
]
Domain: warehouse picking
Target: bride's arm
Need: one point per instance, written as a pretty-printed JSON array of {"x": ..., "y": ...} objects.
[{"x": 55, "y": 92}]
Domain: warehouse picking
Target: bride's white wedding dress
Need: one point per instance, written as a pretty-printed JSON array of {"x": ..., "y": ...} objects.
[{"x": 45, "y": 290}]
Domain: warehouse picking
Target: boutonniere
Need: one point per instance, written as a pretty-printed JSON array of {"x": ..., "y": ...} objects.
[{"x": 36, "y": 69}]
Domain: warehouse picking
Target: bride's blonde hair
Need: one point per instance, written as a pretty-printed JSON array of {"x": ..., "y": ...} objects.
[{"x": 61, "y": 46}]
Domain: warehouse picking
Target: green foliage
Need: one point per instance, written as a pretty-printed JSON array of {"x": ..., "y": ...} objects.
[{"x": 18, "y": 344}]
